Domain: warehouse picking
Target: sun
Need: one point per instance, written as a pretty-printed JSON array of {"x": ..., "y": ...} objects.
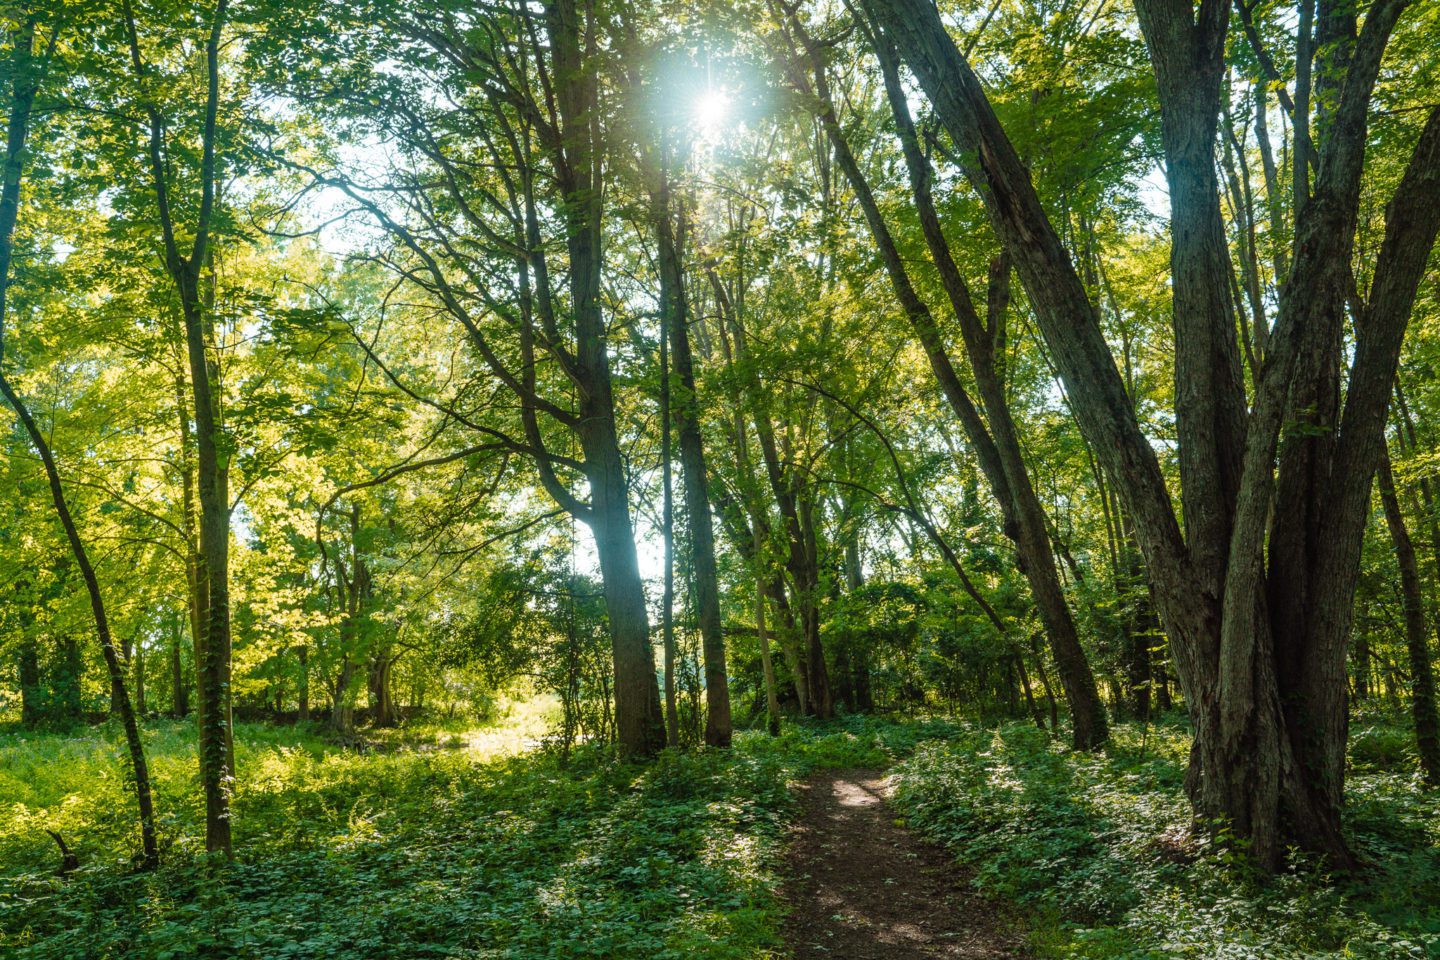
[{"x": 711, "y": 111}]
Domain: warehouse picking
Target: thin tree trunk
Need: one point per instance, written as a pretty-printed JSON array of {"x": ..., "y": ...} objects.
[
  {"x": 197, "y": 309},
  {"x": 139, "y": 769},
  {"x": 29, "y": 670},
  {"x": 667, "y": 533},
  {"x": 767, "y": 664},
  {"x": 686, "y": 411},
  {"x": 179, "y": 685},
  {"x": 1422, "y": 676},
  {"x": 139, "y": 661},
  {"x": 303, "y": 710}
]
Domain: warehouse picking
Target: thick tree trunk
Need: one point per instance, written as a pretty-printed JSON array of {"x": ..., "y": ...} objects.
[
  {"x": 342, "y": 708},
  {"x": 381, "y": 690},
  {"x": 639, "y": 724}
]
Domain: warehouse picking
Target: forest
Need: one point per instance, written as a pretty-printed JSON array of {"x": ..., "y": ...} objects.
[{"x": 726, "y": 479}]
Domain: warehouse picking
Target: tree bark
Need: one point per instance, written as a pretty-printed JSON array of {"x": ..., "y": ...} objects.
[
  {"x": 303, "y": 707},
  {"x": 686, "y": 410},
  {"x": 29, "y": 676},
  {"x": 179, "y": 683},
  {"x": 638, "y": 721},
  {"x": 667, "y": 531}
]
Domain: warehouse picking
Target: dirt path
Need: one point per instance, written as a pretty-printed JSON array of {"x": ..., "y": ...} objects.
[{"x": 864, "y": 888}]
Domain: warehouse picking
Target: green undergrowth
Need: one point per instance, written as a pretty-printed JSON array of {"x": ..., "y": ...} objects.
[
  {"x": 444, "y": 841},
  {"x": 1094, "y": 847},
  {"x": 422, "y": 844}
]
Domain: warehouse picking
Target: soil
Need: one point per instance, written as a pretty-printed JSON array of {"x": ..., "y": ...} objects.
[{"x": 863, "y": 887}]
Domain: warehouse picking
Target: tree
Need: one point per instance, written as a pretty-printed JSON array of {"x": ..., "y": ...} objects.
[
  {"x": 187, "y": 270},
  {"x": 1260, "y": 652}
]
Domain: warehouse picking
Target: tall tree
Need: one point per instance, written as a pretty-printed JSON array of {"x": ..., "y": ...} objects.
[
  {"x": 188, "y": 270},
  {"x": 1266, "y": 693}
]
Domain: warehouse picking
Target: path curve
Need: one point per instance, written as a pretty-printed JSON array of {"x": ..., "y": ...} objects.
[{"x": 863, "y": 887}]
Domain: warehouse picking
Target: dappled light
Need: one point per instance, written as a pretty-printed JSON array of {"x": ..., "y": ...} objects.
[{"x": 767, "y": 480}]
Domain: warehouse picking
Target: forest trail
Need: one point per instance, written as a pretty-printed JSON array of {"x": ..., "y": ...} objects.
[{"x": 863, "y": 887}]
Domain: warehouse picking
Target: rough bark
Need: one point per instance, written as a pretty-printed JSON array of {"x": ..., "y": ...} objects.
[
  {"x": 686, "y": 410},
  {"x": 381, "y": 689},
  {"x": 667, "y": 532},
  {"x": 573, "y": 45}
]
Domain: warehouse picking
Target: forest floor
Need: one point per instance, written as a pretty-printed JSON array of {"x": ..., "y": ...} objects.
[
  {"x": 452, "y": 840},
  {"x": 864, "y": 887}
]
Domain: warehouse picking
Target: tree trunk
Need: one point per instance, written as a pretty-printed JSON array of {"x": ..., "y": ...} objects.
[
  {"x": 30, "y": 693},
  {"x": 139, "y": 769},
  {"x": 997, "y": 447},
  {"x": 382, "y": 698},
  {"x": 179, "y": 683},
  {"x": 212, "y": 666},
  {"x": 639, "y": 724},
  {"x": 303, "y": 711},
  {"x": 1422, "y": 676},
  {"x": 667, "y": 527},
  {"x": 767, "y": 664},
  {"x": 68, "y": 678},
  {"x": 697, "y": 495},
  {"x": 127, "y": 661},
  {"x": 139, "y": 661}
]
